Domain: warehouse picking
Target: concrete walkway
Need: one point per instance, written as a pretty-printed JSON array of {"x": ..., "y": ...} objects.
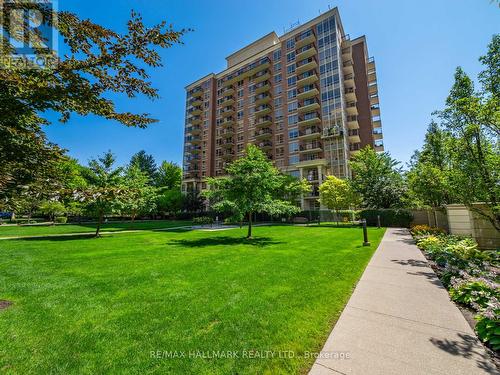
[{"x": 400, "y": 320}]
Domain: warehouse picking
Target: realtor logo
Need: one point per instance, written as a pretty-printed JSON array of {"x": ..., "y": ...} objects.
[{"x": 28, "y": 32}]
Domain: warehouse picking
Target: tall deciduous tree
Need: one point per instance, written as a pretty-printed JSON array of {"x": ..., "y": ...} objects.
[
  {"x": 168, "y": 176},
  {"x": 377, "y": 178},
  {"x": 336, "y": 194},
  {"x": 251, "y": 186},
  {"x": 138, "y": 196},
  {"x": 104, "y": 189}
]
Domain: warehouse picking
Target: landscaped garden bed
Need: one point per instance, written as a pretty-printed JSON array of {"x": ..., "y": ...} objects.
[{"x": 470, "y": 275}]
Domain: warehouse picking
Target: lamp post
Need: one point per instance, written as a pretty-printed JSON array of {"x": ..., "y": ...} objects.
[
  {"x": 378, "y": 221},
  {"x": 365, "y": 233}
]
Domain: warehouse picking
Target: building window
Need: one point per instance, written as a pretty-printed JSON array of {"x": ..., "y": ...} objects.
[
  {"x": 293, "y": 147},
  {"x": 278, "y": 90},
  {"x": 277, "y": 54},
  {"x": 277, "y": 67},
  {"x": 294, "y": 159},
  {"x": 292, "y": 134},
  {"x": 290, "y": 69},
  {"x": 295, "y": 174},
  {"x": 292, "y": 93},
  {"x": 292, "y": 106},
  {"x": 278, "y": 113},
  {"x": 277, "y": 78},
  {"x": 292, "y": 80},
  {"x": 293, "y": 119},
  {"x": 290, "y": 56},
  {"x": 278, "y": 102},
  {"x": 290, "y": 43},
  {"x": 240, "y": 93}
]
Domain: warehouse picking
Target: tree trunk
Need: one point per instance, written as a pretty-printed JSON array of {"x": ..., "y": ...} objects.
[
  {"x": 99, "y": 222},
  {"x": 337, "y": 216},
  {"x": 249, "y": 235}
]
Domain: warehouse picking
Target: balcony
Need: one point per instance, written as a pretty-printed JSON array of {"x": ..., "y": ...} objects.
[
  {"x": 372, "y": 88},
  {"x": 346, "y": 41},
  {"x": 196, "y": 120},
  {"x": 228, "y": 155},
  {"x": 228, "y": 100},
  {"x": 374, "y": 99},
  {"x": 258, "y": 68},
  {"x": 261, "y": 78},
  {"x": 193, "y": 129},
  {"x": 311, "y": 92},
  {"x": 347, "y": 67},
  {"x": 306, "y": 53},
  {"x": 375, "y": 110},
  {"x": 309, "y": 107},
  {"x": 372, "y": 75},
  {"x": 229, "y": 143},
  {"x": 264, "y": 121},
  {"x": 228, "y": 92},
  {"x": 305, "y": 41},
  {"x": 262, "y": 110},
  {"x": 347, "y": 53},
  {"x": 197, "y": 94},
  {"x": 196, "y": 111},
  {"x": 263, "y": 88},
  {"x": 312, "y": 64},
  {"x": 350, "y": 94},
  {"x": 352, "y": 123},
  {"x": 194, "y": 139},
  {"x": 229, "y": 122},
  {"x": 378, "y": 135},
  {"x": 193, "y": 150},
  {"x": 310, "y": 121},
  {"x": 371, "y": 64},
  {"x": 311, "y": 147},
  {"x": 227, "y": 112},
  {"x": 354, "y": 136},
  {"x": 377, "y": 124},
  {"x": 352, "y": 109},
  {"x": 307, "y": 80},
  {"x": 227, "y": 133},
  {"x": 349, "y": 81},
  {"x": 265, "y": 145},
  {"x": 379, "y": 148},
  {"x": 310, "y": 133},
  {"x": 263, "y": 134},
  {"x": 262, "y": 99},
  {"x": 196, "y": 102}
]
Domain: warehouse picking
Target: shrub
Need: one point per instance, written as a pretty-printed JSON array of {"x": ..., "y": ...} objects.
[
  {"x": 420, "y": 230},
  {"x": 61, "y": 219},
  {"x": 388, "y": 217},
  {"x": 474, "y": 292},
  {"x": 488, "y": 324},
  {"x": 203, "y": 220}
]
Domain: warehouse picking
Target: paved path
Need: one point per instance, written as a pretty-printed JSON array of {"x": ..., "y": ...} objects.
[{"x": 400, "y": 320}]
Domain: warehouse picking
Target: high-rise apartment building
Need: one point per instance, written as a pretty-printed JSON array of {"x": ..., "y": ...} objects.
[{"x": 308, "y": 99}]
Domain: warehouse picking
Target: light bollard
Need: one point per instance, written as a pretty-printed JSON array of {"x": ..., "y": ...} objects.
[
  {"x": 365, "y": 234},
  {"x": 378, "y": 221}
]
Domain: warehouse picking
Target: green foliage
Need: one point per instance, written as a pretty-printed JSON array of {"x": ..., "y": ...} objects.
[
  {"x": 52, "y": 209},
  {"x": 138, "y": 196},
  {"x": 203, "y": 220},
  {"x": 170, "y": 201},
  {"x": 488, "y": 331},
  {"x": 377, "y": 178},
  {"x": 388, "y": 217},
  {"x": 336, "y": 194},
  {"x": 168, "y": 176},
  {"x": 473, "y": 292},
  {"x": 253, "y": 185},
  {"x": 419, "y": 230},
  {"x": 145, "y": 163},
  {"x": 61, "y": 220}
]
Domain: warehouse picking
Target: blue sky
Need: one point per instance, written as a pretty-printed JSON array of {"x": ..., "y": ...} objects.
[{"x": 417, "y": 46}]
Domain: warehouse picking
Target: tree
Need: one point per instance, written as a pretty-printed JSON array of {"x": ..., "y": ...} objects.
[
  {"x": 138, "y": 197},
  {"x": 429, "y": 184},
  {"x": 250, "y": 187},
  {"x": 377, "y": 179},
  {"x": 474, "y": 148},
  {"x": 104, "y": 189},
  {"x": 100, "y": 63},
  {"x": 170, "y": 201},
  {"x": 336, "y": 194},
  {"x": 52, "y": 209},
  {"x": 192, "y": 201},
  {"x": 168, "y": 176},
  {"x": 146, "y": 164}
]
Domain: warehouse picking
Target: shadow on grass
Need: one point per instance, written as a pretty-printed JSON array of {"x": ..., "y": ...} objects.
[
  {"x": 72, "y": 237},
  {"x": 225, "y": 241}
]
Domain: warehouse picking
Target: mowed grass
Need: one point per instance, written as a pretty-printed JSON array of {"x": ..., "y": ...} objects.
[
  {"x": 40, "y": 230},
  {"x": 104, "y": 305}
]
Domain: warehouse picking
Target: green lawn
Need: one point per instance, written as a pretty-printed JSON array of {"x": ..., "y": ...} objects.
[
  {"x": 103, "y": 305},
  {"x": 38, "y": 230}
]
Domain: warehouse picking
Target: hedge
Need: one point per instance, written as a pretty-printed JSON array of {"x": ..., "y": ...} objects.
[{"x": 388, "y": 217}]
